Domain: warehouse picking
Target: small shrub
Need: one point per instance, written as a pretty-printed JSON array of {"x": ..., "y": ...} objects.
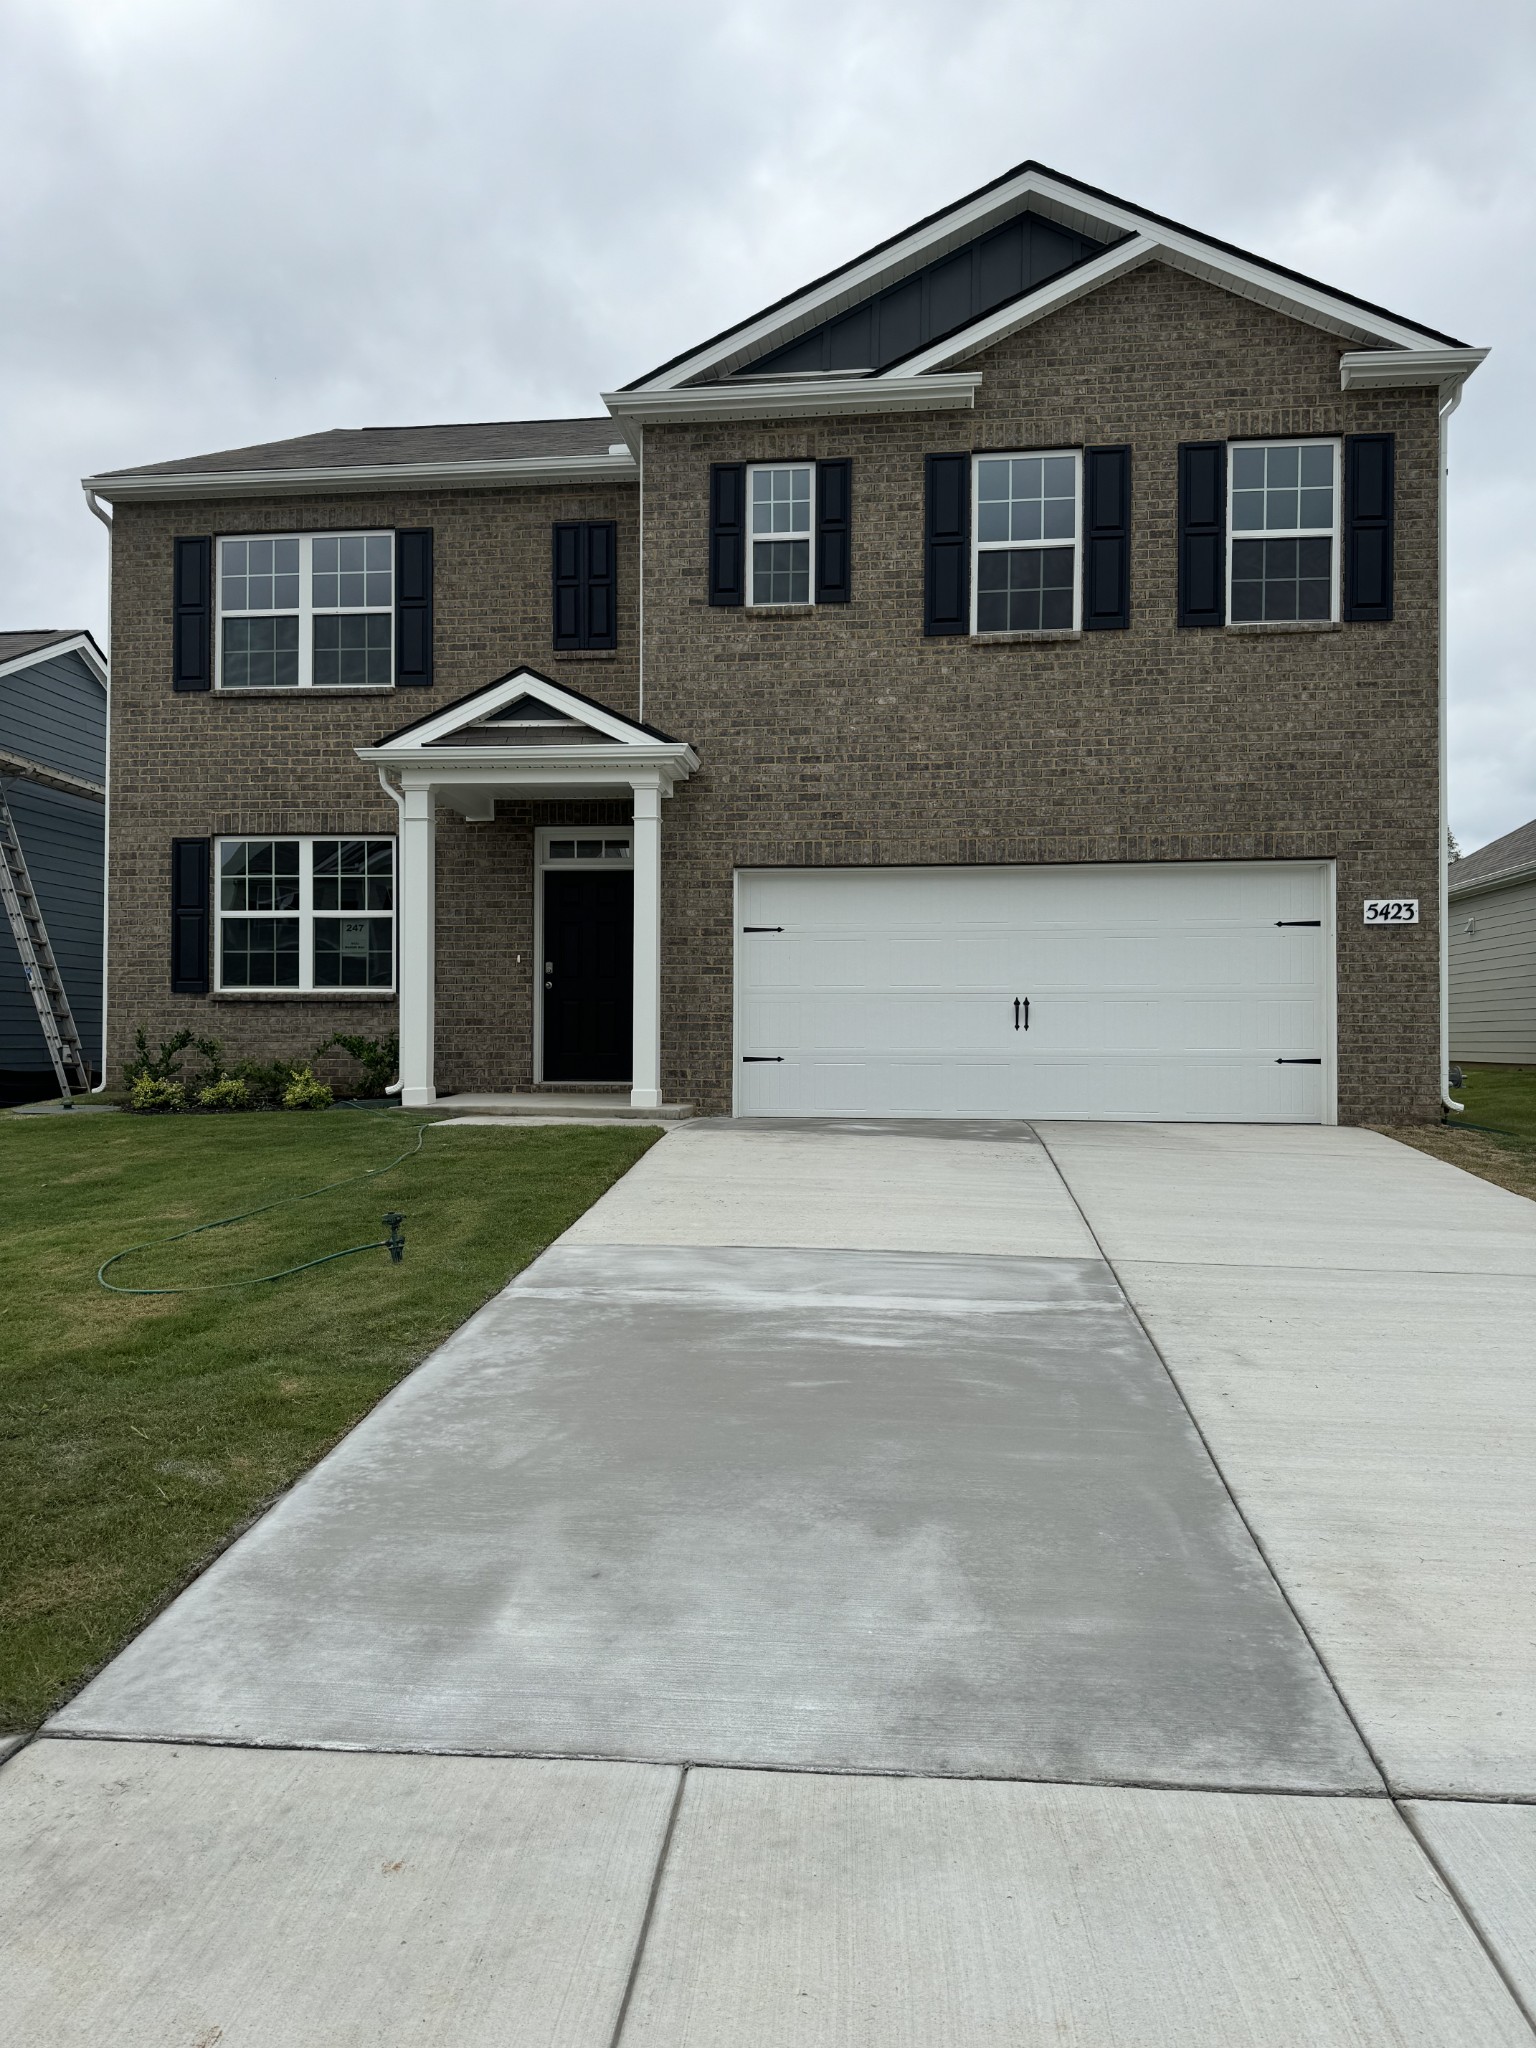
[
  {"x": 379, "y": 1058},
  {"x": 152, "y": 1096},
  {"x": 164, "y": 1065},
  {"x": 265, "y": 1083},
  {"x": 305, "y": 1092},
  {"x": 230, "y": 1093}
]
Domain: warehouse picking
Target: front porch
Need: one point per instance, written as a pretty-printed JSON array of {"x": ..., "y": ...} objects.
[{"x": 526, "y": 739}]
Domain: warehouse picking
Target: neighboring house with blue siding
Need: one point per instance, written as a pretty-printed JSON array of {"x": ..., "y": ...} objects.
[{"x": 53, "y": 763}]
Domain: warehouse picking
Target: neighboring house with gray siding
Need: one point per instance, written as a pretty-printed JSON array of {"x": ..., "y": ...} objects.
[
  {"x": 1493, "y": 952},
  {"x": 53, "y": 754}
]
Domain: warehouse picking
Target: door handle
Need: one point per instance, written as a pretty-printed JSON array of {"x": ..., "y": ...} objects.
[
  {"x": 549, "y": 984},
  {"x": 1015, "y": 1013},
  {"x": 1017, "y": 1007}
]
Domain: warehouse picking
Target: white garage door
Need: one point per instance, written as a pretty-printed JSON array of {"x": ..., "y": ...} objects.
[{"x": 1166, "y": 992}]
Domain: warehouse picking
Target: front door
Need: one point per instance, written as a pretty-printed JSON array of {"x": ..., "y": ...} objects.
[{"x": 588, "y": 979}]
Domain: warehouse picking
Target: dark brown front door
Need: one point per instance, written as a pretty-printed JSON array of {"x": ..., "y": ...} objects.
[{"x": 589, "y": 935}]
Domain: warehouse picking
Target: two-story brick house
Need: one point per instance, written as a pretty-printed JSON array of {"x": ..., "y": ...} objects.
[{"x": 992, "y": 681}]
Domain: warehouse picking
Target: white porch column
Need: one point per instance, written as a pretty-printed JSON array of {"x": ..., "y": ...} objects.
[
  {"x": 645, "y": 1089},
  {"x": 418, "y": 946}
]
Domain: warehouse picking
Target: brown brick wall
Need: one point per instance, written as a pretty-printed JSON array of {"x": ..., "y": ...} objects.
[
  {"x": 841, "y": 735},
  {"x": 207, "y": 763}
]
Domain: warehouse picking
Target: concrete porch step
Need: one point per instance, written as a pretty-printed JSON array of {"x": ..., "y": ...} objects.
[{"x": 576, "y": 1108}]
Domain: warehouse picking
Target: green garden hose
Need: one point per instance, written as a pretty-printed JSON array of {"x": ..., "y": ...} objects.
[{"x": 393, "y": 1244}]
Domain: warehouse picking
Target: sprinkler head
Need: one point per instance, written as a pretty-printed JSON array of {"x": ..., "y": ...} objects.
[{"x": 396, "y": 1241}]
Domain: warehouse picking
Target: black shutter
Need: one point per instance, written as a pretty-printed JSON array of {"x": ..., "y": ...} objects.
[
  {"x": 413, "y": 607},
  {"x": 192, "y": 630},
  {"x": 568, "y": 565},
  {"x": 947, "y": 545},
  {"x": 834, "y": 532},
  {"x": 727, "y": 532},
  {"x": 1106, "y": 539},
  {"x": 601, "y": 620},
  {"x": 1368, "y": 467},
  {"x": 1203, "y": 533},
  {"x": 189, "y": 916}
]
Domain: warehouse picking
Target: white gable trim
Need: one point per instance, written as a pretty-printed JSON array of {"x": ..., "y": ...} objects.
[
  {"x": 523, "y": 682},
  {"x": 78, "y": 643},
  {"x": 1072, "y": 208},
  {"x": 798, "y": 398}
]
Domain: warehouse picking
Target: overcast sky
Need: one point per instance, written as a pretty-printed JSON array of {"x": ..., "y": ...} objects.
[{"x": 226, "y": 224}]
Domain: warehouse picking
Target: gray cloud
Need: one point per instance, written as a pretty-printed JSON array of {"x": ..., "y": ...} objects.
[{"x": 228, "y": 224}]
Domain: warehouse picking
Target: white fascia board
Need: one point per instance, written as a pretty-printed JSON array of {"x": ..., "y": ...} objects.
[
  {"x": 797, "y": 398},
  {"x": 276, "y": 483},
  {"x": 673, "y": 760},
  {"x": 1501, "y": 878},
  {"x": 78, "y": 643},
  {"x": 521, "y": 683},
  {"x": 1391, "y": 368},
  {"x": 1071, "y": 209},
  {"x": 1036, "y": 305}
]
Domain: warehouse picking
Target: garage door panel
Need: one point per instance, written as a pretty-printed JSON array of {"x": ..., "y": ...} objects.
[{"x": 1176, "y": 991}]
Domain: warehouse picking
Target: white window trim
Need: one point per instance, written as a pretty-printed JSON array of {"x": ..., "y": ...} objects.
[
  {"x": 980, "y": 547},
  {"x": 306, "y": 914},
  {"x": 305, "y": 614},
  {"x": 1297, "y": 533},
  {"x": 763, "y": 604}
]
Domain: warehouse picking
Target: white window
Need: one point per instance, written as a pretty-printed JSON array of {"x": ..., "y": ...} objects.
[
  {"x": 306, "y": 914},
  {"x": 562, "y": 847},
  {"x": 779, "y": 535},
  {"x": 1283, "y": 559},
  {"x": 307, "y": 611},
  {"x": 1027, "y": 525}
]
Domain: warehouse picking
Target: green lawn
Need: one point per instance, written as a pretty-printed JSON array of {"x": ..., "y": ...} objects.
[
  {"x": 1495, "y": 1137},
  {"x": 138, "y": 1434}
]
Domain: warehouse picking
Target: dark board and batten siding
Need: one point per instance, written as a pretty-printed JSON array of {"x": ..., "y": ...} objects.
[{"x": 937, "y": 300}]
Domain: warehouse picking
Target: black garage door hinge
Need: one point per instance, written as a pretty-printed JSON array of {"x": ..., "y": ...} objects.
[
  {"x": 762, "y": 927},
  {"x": 1298, "y": 1063},
  {"x": 1297, "y": 920},
  {"x": 762, "y": 1059}
]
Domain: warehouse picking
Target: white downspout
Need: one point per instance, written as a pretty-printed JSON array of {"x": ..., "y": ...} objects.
[
  {"x": 106, "y": 802},
  {"x": 397, "y": 798},
  {"x": 1448, "y": 406}
]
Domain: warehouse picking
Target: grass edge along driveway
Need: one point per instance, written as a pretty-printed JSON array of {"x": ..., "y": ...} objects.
[
  {"x": 138, "y": 1435},
  {"x": 1494, "y": 1136}
]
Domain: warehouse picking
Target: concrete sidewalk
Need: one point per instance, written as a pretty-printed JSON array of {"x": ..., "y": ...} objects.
[{"x": 864, "y": 1585}]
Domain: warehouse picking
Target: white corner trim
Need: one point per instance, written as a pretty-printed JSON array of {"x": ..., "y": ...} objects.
[
  {"x": 797, "y": 398},
  {"x": 1391, "y": 368},
  {"x": 522, "y": 682},
  {"x": 1065, "y": 204},
  {"x": 78, "y": 643},
  {"x": 1036, "y": 305},
  {"x": 271, "y": 483}
]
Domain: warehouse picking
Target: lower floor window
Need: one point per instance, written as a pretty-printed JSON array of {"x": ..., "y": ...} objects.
[
  {"x": 306, "y": 914},
  {"x": 1282, "y": 579}
]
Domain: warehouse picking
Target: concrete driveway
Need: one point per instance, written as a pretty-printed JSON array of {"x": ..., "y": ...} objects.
[{"x": 866, "y": 1584}]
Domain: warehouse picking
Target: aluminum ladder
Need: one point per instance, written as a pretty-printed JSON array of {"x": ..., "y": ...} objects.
[{"x": 37, "y": 961}]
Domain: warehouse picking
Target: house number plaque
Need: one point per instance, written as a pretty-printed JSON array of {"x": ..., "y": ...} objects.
[{"x": 1391, "y": 909}]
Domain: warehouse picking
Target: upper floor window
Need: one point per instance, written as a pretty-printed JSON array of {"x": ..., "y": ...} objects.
[
  {"x": 1283, "y": 561},
  {"x": 779, "y": 534},
  {"x": 1027, "y": 526},
  {"x": 306, "y": 914},
  {"x": 306, "y": 611}
]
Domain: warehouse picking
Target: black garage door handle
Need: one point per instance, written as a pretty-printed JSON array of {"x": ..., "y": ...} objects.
[
  {"x": 762, "y": 1059},
  {"x": 1298, "y": 1063}
]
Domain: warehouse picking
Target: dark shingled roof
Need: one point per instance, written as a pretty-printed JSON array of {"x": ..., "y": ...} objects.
[
  {"x": 362, "y": 447},
  {"x": 1516, "y": 849},
  {"x": 14, "y": 645}
]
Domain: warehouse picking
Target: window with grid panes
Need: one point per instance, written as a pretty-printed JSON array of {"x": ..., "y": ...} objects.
[
  {"x": 306, "y": 611},
  {"x": 306, "y": 914},
  {"x": 1284, "y": 531},
  {"x": 1025, "y": 523},
  {"x": 779, "y": 510}
]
